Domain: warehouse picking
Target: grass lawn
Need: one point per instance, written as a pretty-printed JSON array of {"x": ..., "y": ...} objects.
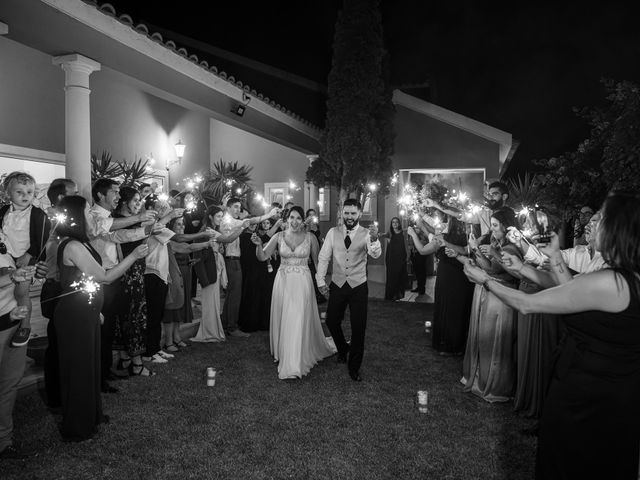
[{"x": 252, "y": 425}]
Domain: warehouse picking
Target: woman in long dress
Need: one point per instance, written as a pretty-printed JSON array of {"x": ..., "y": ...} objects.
[
  {"x": 180, "y": 274},
  {"x": 296, "y": 336},
  {"x": 396, "y": 261},
  {"x": 77, "y": 321},
  {"x": 489, "y": 369},
  {"x": 131, "y": 328},
  {"x": 211, "y": 274},
  {"x": 453, "y": 291},
  {"x": 254, "y": 280}
]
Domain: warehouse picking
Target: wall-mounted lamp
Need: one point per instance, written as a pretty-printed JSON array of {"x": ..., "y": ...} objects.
[
  {"x": 179, "y": 153},
  {"x": 180, "y": 150}
]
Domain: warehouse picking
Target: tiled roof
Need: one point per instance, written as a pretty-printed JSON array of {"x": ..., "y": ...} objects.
[{"x": 142, "y": 29}]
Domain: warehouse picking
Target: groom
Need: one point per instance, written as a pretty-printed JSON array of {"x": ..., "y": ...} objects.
[{"x": 348, "y": 246}]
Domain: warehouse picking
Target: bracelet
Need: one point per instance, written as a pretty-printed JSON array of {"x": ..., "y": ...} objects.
[{"x": 485, "y": 284}]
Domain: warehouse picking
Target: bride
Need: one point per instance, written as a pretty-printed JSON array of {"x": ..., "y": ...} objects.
[{"x": 297, "y": 339}]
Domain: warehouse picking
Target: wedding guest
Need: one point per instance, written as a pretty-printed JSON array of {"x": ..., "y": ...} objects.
[
  {"x": 254, "y": 311},
  {"x": 51, "y": 289},
  {"x": 130, "y": 329},
  {"x": 590, "y": 423},
  {"x": 212, "y": 274},
  {"x": 12, "y": 359},
  {"x": 419, "y": 262},
  {"x": 77, "y": 322},
  {"x": 105, "y": 233},
  {"x": 395, "y": 260},
  {"x": 585, "y": 214},
  {"x": 453, "y": 292},
  {"x": 145, "y": 190},
  {"x": 496, "y": 196},
  {"x": 26, "y": 229},
  {"x": 268, "y": 229},
  {"x": 156, "y": 279},
  {"x": 539, "y": 333},
  {"x": 178, "y": 305},
  {"x": 231, "y": 308},
  {"x": 488, "y": 366},
  {"x": 194, "y": 218}
]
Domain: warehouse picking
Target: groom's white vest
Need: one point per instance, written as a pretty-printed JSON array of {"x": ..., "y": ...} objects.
[{"x": 349, "y": 265}]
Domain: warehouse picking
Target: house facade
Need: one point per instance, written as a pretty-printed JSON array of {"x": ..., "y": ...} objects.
[{"x": 79, "y": 78}]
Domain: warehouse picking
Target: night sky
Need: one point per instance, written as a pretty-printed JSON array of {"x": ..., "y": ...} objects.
[{"x": 518, "y": 67}]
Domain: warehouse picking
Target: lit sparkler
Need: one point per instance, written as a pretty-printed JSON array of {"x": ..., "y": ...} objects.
[
  {"x": 163, "y": 197},
  {"x": 86, "y": 285},
  {"x": 59, "y": 219}
]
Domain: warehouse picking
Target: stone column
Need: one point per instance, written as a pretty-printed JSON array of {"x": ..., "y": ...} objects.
[{"x": 77, "y": 69}]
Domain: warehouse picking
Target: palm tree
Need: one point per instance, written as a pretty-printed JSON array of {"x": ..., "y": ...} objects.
[
  {"x": 134, "y": 173},
  {"x": 224, "y": 180},
  {"x": 104, "y": 167}
]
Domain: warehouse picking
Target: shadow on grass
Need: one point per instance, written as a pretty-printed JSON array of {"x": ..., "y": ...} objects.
[{"x": 252, "y": 425}]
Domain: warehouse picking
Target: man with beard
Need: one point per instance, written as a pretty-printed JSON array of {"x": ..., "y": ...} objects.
[
  {"x": 347, "y": 247},
  {"x": 496, "y": 197}
]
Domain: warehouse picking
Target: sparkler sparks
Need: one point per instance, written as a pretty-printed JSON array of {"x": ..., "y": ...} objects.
[{"x": 86, "y": 285}]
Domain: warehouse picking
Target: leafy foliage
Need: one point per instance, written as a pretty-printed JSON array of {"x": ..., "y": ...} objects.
[
  {"x": 608, "y": 159},
  {"x": 524, "y": 191},
  {"x": 358, "y": 139},
  {"x": 104, "y": 167},
  {"x": 132, "y": 174},
  {"x": 222, "y": 181}
]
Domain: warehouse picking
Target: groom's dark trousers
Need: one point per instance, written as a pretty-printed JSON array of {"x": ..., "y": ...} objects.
[{"x": 356, "y": 299}]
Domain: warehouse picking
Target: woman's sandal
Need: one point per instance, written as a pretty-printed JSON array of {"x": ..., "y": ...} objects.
[
  {"x": 171, "y": 348},
  {"x": 138, "y": 369},
  {"x": 182, "y": 344}
]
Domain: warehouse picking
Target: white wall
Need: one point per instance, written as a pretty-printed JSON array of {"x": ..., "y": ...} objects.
[{"x": 271, "y": 162}]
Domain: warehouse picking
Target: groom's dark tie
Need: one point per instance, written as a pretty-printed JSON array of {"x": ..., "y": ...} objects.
[{"x": 347, "y": 240}]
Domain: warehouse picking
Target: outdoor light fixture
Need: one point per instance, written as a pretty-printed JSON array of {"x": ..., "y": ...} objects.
[
  {"x": 180, "y": 150},
  {"x": 240, "y": 108},
  {"x": 179, "y": 153}
]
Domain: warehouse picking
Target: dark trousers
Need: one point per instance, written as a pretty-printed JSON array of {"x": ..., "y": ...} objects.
[
  {"x": 419, "y": 263},
  {"x": 156, "y": 294},
  {"x": 356, "y": 299},
  {"x": 50, "y": 290},
  {"x": 114, "y": 305}
]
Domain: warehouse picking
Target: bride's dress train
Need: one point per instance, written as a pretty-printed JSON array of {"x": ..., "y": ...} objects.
[{"x": 297, "y": 339}]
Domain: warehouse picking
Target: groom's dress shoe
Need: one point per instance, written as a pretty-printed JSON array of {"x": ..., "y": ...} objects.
[{"x": 355, "y": 376}]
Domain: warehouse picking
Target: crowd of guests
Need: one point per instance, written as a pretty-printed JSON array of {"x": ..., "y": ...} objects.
[
  {"x": 147, "y": 256},
  {"x": 555, "y": 330}
]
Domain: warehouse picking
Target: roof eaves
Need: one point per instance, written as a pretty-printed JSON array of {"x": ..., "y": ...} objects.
[{"x": 142, "y": 29}]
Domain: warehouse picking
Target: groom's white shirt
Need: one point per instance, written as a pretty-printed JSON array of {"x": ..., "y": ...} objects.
[{"x": 348, "y": 265}]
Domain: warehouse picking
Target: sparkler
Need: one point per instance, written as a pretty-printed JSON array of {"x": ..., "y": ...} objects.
[
  {"x": 86, "y": 285},
  {"x": 59, "y": 219}
]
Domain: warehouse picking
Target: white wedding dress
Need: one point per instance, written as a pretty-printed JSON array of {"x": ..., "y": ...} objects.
[{"x": 297, "y": 339}]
